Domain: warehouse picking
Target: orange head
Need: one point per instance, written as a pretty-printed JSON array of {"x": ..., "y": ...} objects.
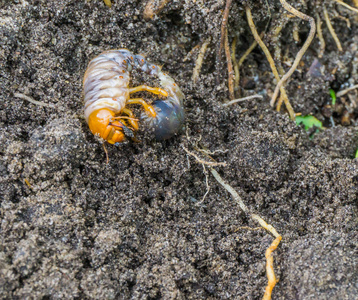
[{"x": 102, "y": 122}]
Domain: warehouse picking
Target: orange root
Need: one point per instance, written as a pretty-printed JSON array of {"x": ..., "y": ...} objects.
[{"x": 269, "y": 268}]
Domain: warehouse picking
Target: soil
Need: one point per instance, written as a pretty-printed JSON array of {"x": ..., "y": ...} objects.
[{"x": 74, "y": 227}]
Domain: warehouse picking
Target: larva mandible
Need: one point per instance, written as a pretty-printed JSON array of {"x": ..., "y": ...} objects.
[{"x": 107, "y": 96}]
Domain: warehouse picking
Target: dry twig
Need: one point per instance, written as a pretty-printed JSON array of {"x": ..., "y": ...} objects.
[{"x": 301, "y": 52}]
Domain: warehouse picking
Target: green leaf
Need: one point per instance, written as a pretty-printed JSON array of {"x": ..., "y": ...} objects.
[
  {"x": 357, "y": 154},
  {"x": 308, "y": 122},
  {"x": 333, "y": 96}
]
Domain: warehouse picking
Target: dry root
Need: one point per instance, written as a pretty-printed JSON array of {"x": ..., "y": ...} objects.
[
  {"x": 229, "y": 67},
  {"x": 238, "y": 64},
  {"x": 203, "y": 162},
  {"x": 269, "y": 269},
  {"x": 295, "y": 32},
  {"x": 301, "y": 52},
  {"x": 320, "y": 36},
  {"x": 348, "y": 6},
  {"x": 223, "y": 28},
  {"x": 269, "y": 258},
  {"x": 27, "y": 98},
  {"x": 331, "y": 29},
  {"x": 343, "y": 92},
  {"x": 199, "y": 60},
  {"x": 243, "y": 99},
  {"x": 106, "y": 151},
  {"x": 224, "y": 43},
  {"x": 270, "y": 60},
  {"x": 278, "y": 25}
]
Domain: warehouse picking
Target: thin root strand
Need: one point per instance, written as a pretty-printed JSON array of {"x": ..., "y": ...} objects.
[
  {"x": 348, "y": 6},
  {"x": 331, "y": 29},
  {"x": 228, "y": 187},
  {"x": 106, "y": 151},
  {"x": 270, "y": 60},
  {"x": 199, "y": 60},
  {"x": 238, "y": 64},
  {"x": 243, "y": 99},
  {"x": 269, "y": 268},
  {"x": 223, "y": 26},
  {"x": 222, "y": 36},
  {"x": 236, "y": 67},
  {"x": 208, "y": 163},
  {"x": 27, "y": 98},
  {"x": 301, "y": 52},
  {"x": 269, "y": 258},
  {"x": 320, "y": 36},
  {"x": 345, "y": 91},
  {"x": 229, "y": 67}
]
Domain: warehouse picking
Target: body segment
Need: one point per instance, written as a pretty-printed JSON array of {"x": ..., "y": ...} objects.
[{"x": 107, "y": 96}]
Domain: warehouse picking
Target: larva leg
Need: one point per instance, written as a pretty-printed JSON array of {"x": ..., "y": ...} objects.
[
  {"x": 132, "y": 120},
  {"x": 147, "y": 107},
  {"x": 154, "y": 90}
]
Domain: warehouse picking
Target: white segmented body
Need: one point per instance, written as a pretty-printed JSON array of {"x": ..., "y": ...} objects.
[
  {"x": 106, "y": 88},
  {"x": 106, "y": 81}
]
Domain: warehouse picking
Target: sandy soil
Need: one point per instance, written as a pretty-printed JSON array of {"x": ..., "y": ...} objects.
[{"x": 135, "y": 228}]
